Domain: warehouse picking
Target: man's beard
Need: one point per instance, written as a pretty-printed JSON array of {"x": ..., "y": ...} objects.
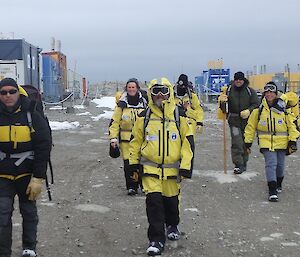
[{"x": 158, "y": 103}]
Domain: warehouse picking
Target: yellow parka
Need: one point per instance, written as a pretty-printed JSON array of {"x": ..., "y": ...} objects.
[
  {"x": 123, "y": 120},
  {"x": 274, "y": 128},
  {"x": 160, "y": 147},
  {"x": 195, "y": 111},
  {"x": 292, "y": 101}
]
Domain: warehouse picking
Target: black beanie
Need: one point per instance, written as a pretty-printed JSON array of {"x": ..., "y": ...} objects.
[
  {"x": 134, "y": 80},
  {"x": 8, "y": 82},
  {"x": 239, "y": 75},
  {"x": 183, "y": 80}
]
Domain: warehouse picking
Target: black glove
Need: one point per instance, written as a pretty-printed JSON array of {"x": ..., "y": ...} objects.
[
  {"x": 291, "y": 148},
  {"x": 185, "y": 173},
  {"x": 248, "y": 147},
  {"x": 114, "y": 152}
]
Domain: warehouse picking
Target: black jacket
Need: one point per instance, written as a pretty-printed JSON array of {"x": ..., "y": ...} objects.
[{"x": 16, "y": 136}]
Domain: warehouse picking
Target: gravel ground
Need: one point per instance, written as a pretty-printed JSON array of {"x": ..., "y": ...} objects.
[{"x": 221, "y": 215}]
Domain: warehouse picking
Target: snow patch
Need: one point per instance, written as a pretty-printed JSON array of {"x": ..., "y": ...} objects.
[
  {"x": 16, "y": 225},
  {"x": 92, "y": 207},
  {"x": 99, "y": 185},
  {"x": 79, "y": 106},
  {"x": 191, "y": 209},
  {"x": 276, "y": 235},
  {"x": 225, "y": 178},
  {"x": 107, "y": 101},
  {"x": 266, "y": 238},
  {"x": 105, "y": 115},
  {"x": 97, "y": 141},
  {"x": 57, "y": 107},
  {"x": 297, "y": 233},
  {"x": 289, "y": 244},
  {"x": 48, "y": 204},
  {"x": 83, "y": 113},
  {"x": 56, "y": 125}
]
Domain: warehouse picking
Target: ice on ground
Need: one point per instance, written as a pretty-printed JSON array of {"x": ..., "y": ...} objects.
[
  {"x": 105, "y": 115},
  {"x": 107, "y": 101},
  {"x": 289, "y": 244},
  {"x": 191, "y": 209},
  {"x": 83, "y": 132},
  {"x": 79, "y": 106},
  {"x": 98, "y": 185},
  {"x": 48, "y": 204},
  {"x": 224, "y": 178},
  {"x": 266, "y": 238},
  {"x": 297, "y": 233},
  {"x": 83, "y": 113},
  {"x": 97, "y": 141},
  {"x": 56, "y": 125},
  {"x": 92, "y": 207},
  {"x": 57, "y": 107},
  {"x": 276, "y": 235}
]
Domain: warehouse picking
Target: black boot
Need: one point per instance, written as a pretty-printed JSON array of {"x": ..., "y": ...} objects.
[
  {"x": 272, "y": 191},
  {"x": 279, "y": 184}
]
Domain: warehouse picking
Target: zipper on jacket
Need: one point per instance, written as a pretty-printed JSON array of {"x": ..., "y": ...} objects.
[
  {"x": 168, "y": 137},
  {"x": 163, "y": 142},
  {"x": 271, "y": 129},
  {"x": 159, "y": 141}
]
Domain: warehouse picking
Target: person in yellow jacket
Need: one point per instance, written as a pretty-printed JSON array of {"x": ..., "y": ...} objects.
[
  {"x": 130, "y": 103},
  {"x": 24, "y": 154},
  {"x": 162, "y": 151},
  {"x": 292, "y": 102},
  {"x": 188, "y": 99},
  {"x": 277, "y": 136}
]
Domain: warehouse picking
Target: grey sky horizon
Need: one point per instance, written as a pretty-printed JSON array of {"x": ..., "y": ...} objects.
[{"x": 120, "y": 39}]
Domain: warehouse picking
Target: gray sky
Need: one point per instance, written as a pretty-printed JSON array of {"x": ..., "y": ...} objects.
[{"x": 119, "y": 39}]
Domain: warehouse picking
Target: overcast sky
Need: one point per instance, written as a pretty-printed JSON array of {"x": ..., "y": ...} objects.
[{"x": 119, "y": 39}]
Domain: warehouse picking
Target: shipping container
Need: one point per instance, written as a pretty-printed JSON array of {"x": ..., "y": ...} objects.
[
  {"x": 20, "y": 61},
  {"x": 54, "y": 76}
]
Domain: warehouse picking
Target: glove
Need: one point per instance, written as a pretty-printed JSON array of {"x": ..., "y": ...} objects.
[
  {"x": 292, "y": 147},
  {"x": 185, "y": 173},
  {"x": 114, "y": 150},
  {"x": 34, "y": 188},
  {"x": 248, "y": 147},
  {"x": 245, "y": 114},
  {"x": 199, "y": 129},
  {"x": 135, "y": 176},
  {"x": 223, "y": 98}
]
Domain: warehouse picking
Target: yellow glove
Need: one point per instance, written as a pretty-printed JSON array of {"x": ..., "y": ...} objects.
[
  {"x": 245, "y": 114},
  {"x": 34, "y": 188},
  {"x": 223, "y": 98}
]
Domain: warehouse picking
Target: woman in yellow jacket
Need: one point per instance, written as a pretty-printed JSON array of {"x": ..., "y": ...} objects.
[
  {"x": 162, "y": 150},
  {"x": 129, "y": 105},
  {"x": 277, "y": 136},
  {"x": 187, "y": 98}
]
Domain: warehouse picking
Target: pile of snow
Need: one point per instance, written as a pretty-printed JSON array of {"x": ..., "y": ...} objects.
[
  {"x": 105, "y": 115},
  {"x": 56, "y": 125},
  {"x": 107, "y": 101},
  {"x": 83, "y": 113},
  {"x": 57, "y": 107}
]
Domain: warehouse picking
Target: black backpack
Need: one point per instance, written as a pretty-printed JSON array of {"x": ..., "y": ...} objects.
[{"x": 37, "y": 104}]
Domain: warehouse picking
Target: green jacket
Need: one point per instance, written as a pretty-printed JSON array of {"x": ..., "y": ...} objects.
[{"x": 240, "y": 99}]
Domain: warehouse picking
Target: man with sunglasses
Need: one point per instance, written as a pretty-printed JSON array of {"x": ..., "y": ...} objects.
[
  {"x": 162, "y": 148},
  {"x": 24, "y": 154},
  {"x": 277, "y": 136},
  {"x": 238, "y": 101}
]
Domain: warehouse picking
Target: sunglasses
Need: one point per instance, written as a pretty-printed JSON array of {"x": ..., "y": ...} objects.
[
  {"x": 160, "y": 90},
  {"x": 270, "y": 88},
  {"x": 11, "y": 92}
]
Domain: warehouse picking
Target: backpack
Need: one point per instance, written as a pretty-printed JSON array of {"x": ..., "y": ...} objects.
[
  {"x": 35, "y": 96},
  {"x": 176, "y": 116}
]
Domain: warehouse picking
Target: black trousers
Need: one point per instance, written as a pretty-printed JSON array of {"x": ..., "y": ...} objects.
[
  {"x": 161, "y": 211},
  {"x": 128, "y": 177},
  {"x": 8, "y": 190}
]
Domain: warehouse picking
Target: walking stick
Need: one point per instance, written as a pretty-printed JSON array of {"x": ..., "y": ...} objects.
[{"x": 225, "y": 141}]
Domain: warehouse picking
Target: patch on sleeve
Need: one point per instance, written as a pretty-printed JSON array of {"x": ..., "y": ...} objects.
[
  {"x": 151, "y": 137},
  {"x": 174, "y": 136}
]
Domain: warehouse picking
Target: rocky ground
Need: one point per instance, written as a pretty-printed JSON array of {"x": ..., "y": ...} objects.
[{"x": 221, "y": 215}]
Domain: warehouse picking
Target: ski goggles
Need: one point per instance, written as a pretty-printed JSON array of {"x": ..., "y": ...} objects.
[
  {"x": 159, "y": 89},
  {"x": 270, "y": 87},
  {"x": 11, "y": 92}
]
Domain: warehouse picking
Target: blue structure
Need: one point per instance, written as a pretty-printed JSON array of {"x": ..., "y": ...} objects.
[
  {"x": 54, "y": 76},
  {"x": 211, "y": 81}
]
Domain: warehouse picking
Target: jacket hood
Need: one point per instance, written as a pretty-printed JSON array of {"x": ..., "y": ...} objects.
[{"x": 169, "y": 104}]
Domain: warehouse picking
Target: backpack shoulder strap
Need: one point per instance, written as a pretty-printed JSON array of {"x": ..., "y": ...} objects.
[
  {"x": 147, "y": 118},
  {"x": 249, "y": 91},
  {"x": 177, "y": 117}
]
